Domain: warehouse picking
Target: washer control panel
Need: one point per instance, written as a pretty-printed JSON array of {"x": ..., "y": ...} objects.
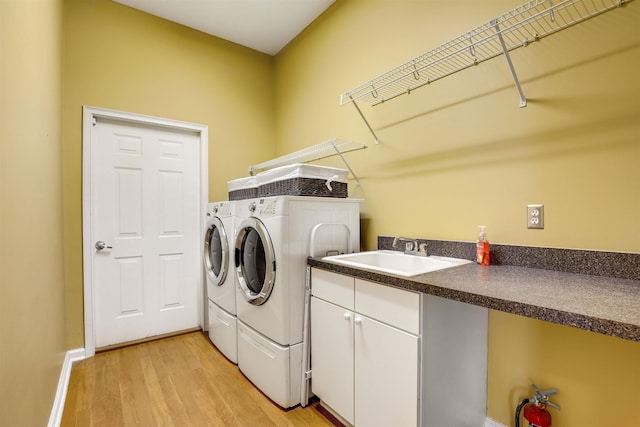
[{"x": 267, "y": 206}]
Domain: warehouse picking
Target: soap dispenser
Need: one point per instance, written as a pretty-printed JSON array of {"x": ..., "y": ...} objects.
[{"x": 482, "y": 247}]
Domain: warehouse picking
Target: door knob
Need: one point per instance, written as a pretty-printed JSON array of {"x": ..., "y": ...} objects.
[{"x": 100, "y": 245}]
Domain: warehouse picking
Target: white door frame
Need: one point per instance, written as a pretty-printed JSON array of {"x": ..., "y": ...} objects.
[{"x": 88, "y": 116}]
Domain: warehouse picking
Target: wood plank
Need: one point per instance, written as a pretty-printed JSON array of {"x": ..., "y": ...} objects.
[
  {"x": 176, "y": 381},
  {"x": 144, "y": 340}
]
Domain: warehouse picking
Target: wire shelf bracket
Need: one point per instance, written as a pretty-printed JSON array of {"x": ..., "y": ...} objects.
[
  {"x": 332, "y": 147},
  {"x": 375, "y": 137},
  {"x": 519, "y": 27},
  {"x": 523, "y": 100}
]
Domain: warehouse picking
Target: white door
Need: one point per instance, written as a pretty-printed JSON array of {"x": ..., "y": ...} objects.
[{"x": 145, "y": 214}]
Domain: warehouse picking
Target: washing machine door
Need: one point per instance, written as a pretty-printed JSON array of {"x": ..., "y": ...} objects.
[
  {"x": 255, "y": 261},
  {"x": 216, "y": 252}
]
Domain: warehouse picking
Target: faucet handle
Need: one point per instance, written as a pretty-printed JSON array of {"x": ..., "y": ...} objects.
[{"x": 412, "y": 246}]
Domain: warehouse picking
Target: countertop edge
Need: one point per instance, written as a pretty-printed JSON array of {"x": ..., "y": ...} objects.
[{"x": 428, "y": 284}]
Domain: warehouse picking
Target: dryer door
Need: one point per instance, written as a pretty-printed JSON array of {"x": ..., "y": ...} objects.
[
  {"x": 255, "y": 261},
  {"x": 216, "y": 251}
]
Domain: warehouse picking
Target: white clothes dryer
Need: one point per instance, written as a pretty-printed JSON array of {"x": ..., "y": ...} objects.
[
  {"x": 219, "y": 270},
  {"x": 271, "y": 248}
]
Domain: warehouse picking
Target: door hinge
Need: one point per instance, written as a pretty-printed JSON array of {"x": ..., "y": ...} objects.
[{"x": 94, "y": 121}]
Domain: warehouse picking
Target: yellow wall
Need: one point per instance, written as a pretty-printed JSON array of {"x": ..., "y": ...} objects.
[
  {"x": 32, "y": 310},
  {"x": 119, "y": 58},
  {"x": 452, "y": 155},
  {"x": 460, "y": 153},
  {"x": 597, "y": 375}
]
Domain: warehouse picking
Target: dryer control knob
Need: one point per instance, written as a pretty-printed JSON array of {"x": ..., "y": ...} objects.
[{"x": 252, "y": 207}]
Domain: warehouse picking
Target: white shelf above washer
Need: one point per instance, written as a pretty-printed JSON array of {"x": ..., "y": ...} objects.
[{"x": 332, "y": 147}]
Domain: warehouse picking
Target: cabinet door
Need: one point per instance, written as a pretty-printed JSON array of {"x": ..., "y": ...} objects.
[
  {"x": 386, "y": 375},
  {"x": 332, "y": 356}
]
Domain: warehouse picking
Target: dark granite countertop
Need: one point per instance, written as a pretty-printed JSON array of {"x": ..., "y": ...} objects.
[{"x": 606, "y": 305}]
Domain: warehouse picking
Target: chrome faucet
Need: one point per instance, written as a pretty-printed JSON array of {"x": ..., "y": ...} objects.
[{"x": 412, "y": 247}]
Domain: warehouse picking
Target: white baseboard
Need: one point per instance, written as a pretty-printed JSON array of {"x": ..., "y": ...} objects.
[
  {"x": 492, "y": 423},
  {"x": 70, "y": 358}
]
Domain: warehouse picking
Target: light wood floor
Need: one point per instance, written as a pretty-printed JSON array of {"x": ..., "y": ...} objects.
[{"x": 178, "y": 381}]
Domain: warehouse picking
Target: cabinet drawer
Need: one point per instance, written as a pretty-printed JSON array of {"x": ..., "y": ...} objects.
[
  {"x": 389, "y": 305},
  {"x": 332, "y": 287}
]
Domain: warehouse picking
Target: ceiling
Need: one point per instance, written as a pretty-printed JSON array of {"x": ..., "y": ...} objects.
[{"x": 264, "y": 25}]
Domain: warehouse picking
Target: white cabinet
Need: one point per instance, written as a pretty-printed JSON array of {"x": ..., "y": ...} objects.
[
  {"x": 332, "y": 356},
  {"x": 386, "y": 375},
  {"x": 384, "y": 356},
  {"x": 365, "y": 349}
]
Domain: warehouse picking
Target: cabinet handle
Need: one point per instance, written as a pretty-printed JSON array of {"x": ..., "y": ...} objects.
[
  {"x": 347, "y": 316},
  {"x": 357, "y": 320}
]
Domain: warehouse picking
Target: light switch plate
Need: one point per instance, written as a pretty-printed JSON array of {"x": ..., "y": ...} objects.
[{"x": 535, "y": 216}]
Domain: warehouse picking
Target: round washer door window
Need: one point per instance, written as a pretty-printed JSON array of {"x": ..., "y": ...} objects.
[
  {"x": 255, "y": 261},
  {"x": 216, "y": 252}
]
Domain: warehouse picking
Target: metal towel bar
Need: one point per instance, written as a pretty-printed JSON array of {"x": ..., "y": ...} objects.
[{"x": 306, "y": 335}]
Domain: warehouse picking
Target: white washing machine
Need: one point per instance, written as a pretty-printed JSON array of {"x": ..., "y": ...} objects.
[
  {"x": 271, "y": 248},
  {"x": 219, "y": 270}
]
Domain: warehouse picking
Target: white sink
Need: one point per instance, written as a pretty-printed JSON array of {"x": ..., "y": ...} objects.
[{"x": 395, "y": 262}]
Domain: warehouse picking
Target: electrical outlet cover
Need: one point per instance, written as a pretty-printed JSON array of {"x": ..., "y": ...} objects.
[{"x": 535, "y": 216}]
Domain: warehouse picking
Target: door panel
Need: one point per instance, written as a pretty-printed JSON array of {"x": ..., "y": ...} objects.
[
  {"x": 332, "y": 356},
  {"x": 171, "y": 267},
  {"x": 392, "y": 355},
  {"x": 130, "y": 281},
  {"x": 145, "y": 202},
  {"x": 129, "y": 207},
  {"x": 171, "y": 185}
]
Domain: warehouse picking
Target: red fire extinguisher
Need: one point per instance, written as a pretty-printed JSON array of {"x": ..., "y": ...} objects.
[{"x": 535, "y": 409}]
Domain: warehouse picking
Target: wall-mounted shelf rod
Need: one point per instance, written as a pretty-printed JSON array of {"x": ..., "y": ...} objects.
[
  {"x": 523, "y": 100},
  {"x": 332, "y": 147},
  {"x": 355, "y": 104}
]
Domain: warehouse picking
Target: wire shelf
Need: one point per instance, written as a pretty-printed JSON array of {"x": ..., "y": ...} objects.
[
  {"x": 519, "y": 27},
  {"x": 332, "y": 147}
]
